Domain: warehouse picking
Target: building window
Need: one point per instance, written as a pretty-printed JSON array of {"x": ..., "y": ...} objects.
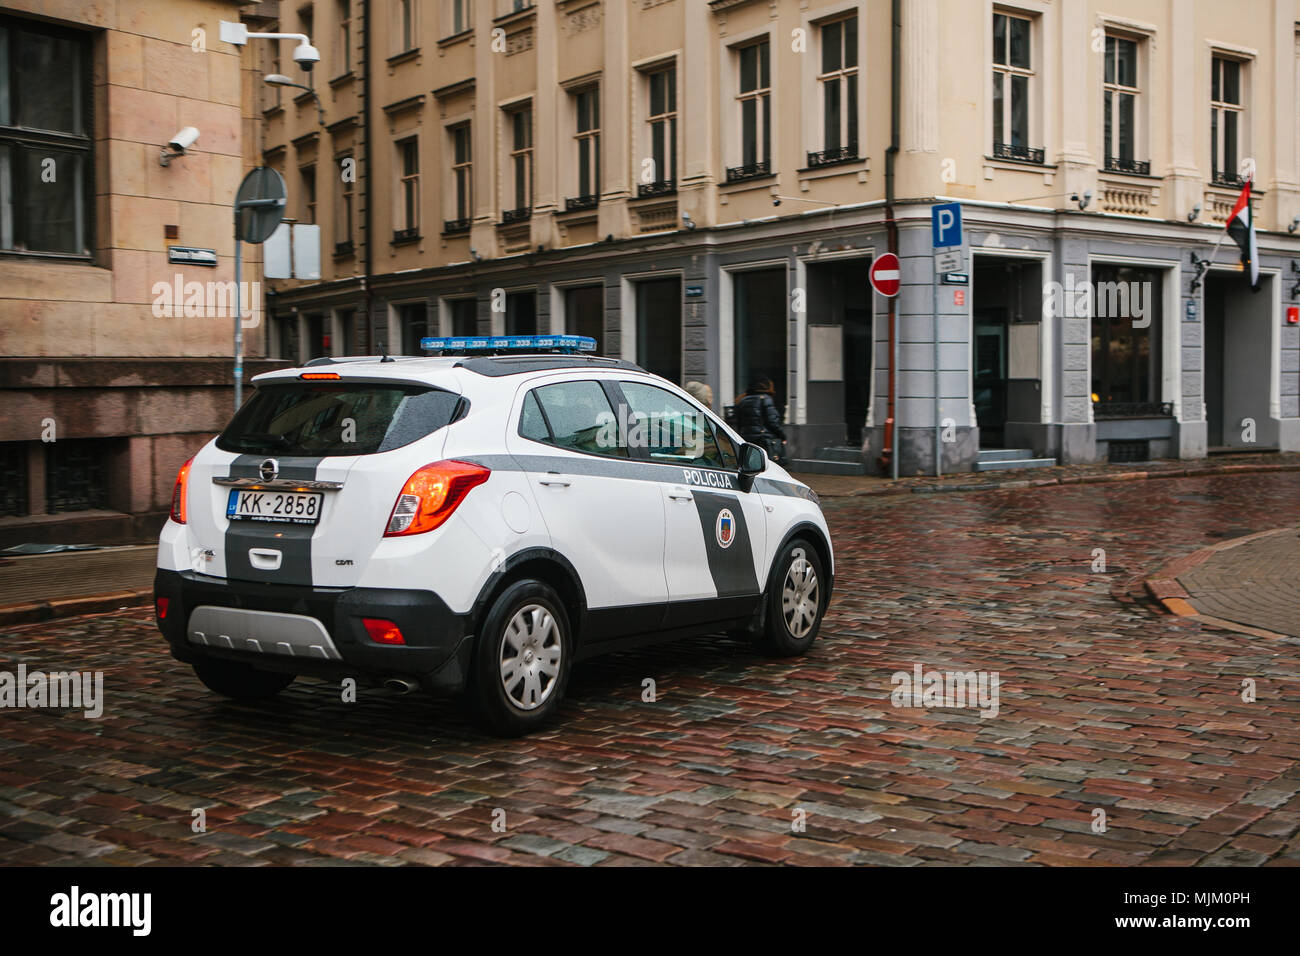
[
  {"x": 754, "y": 109},
  {"x": 462, "y": 179},
  {"x": 464, "y": 316},
  {"x": 343, "y": 211},
  {"x": 405, "y": 27},
  {"x": 318, "y": 336},
  {"x": 1227, "y": 117},
  {"x": 345, "y": 36},
  {"x": 661, "y": 122},
  {"x": 1126, "y": 318},
  {"x": 14, "y": 501},
  {"x": 271, "y": 65},
  {"x": 45, "y": 147},
  {"x": 413, "y": 321},
  {"x": 1121, "y": 106},
  {"x": 837, "y": 84},
  {"x": 75, "y": 478},
  {"x": 520, "y": 131},
  {"x": 287, "y": 338},
  {"x": 1013, "y": 85},
  {"x": 408, "y": 211},
  {"x": 307, "y": 174},
  {"x": 584, "y": 313},
  {"x": 458, "y": 16},
  {"x": 521, "y": 313},
  {"x": 586, "y": 105},
  {"x": 659, "y": 327}
]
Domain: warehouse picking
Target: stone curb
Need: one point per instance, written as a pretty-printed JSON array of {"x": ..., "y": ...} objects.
[
  {"x": 1170, "y": 594},
  {"x": 35, "y": 612}
]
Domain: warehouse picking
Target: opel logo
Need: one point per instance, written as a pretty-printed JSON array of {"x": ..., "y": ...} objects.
[{"x": 269, "y": 469}]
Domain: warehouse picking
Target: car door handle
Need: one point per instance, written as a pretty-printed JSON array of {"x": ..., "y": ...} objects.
[
  {"x": 553, "y": 482},
  {"x": 680, "y": 493}
]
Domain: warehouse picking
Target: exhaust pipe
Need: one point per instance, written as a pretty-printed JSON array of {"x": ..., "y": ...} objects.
[{"x": 401, "y": 685}]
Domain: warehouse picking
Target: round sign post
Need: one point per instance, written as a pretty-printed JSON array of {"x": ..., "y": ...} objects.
[
  {"x": 259, "y": 207},
  {"x": 885, "y": 275}
]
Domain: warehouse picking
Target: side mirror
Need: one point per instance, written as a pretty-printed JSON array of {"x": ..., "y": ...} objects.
[{"x": 753, "y": 459}]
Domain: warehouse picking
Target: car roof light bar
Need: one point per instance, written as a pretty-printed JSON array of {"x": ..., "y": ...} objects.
[{"x": 508, "y": 344}]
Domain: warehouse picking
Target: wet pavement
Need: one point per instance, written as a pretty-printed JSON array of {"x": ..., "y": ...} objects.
[{"x": 1119, "y": 734}]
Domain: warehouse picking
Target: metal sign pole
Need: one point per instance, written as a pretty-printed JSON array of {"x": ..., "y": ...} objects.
[
  {"x": 239, "y": 325},
  {"x": 934, "y": 299}
]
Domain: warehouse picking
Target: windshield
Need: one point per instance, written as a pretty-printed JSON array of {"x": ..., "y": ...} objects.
[{"x": 337, "y": 418}]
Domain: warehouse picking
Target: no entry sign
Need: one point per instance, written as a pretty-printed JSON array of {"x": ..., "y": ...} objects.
[{"x": 885, "y": 275}]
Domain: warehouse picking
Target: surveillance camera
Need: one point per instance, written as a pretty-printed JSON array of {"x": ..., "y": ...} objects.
[
  {"x": 776, "y": 200},
  {"x": 1196, "y": 211},
  {"x": 306, "y": 55},
  {"x": 184, "y": 139},
  {"x": 687, "y": 221},
  {"x": 1295, "y": 224}
]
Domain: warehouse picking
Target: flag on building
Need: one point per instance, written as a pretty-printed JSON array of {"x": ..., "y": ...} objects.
[{"x": 1241, "y": 227}]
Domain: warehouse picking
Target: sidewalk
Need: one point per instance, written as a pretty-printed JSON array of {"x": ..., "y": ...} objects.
[
  {"x": 44, "y": 586},
  {"x": 1249, "y": 584}
]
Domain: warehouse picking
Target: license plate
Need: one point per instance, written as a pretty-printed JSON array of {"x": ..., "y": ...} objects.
[{"x": 294, "y": 507}]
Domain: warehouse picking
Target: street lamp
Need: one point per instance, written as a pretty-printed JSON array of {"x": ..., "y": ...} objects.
[{"x": 279, "y": 79}]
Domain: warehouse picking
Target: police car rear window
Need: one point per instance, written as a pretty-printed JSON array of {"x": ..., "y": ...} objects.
[{"x": 319, "y": 419}]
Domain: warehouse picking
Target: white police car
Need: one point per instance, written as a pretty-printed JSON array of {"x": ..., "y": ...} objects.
[{"x": 478, "y": 522}]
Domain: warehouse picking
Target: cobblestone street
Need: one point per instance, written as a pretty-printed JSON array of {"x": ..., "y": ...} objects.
[{"x": 1107, "y": 703}]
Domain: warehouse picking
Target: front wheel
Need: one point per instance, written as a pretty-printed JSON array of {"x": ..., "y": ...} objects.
[
  {"x": 796, "y": 601},
  {"x": 521, "y": 659}
]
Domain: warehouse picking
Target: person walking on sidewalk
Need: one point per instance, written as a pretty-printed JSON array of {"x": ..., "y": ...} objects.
[{"x": 758, "y": 420}]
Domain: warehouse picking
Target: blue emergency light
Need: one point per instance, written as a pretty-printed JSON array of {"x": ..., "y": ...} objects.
[{"x": 469, "y": 344}]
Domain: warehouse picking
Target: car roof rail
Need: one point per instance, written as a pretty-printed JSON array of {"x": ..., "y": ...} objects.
[{"x": 497, "y": 365}]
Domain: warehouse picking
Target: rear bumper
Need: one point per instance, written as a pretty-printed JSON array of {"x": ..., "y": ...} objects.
[{"x": 315, "y": 631}]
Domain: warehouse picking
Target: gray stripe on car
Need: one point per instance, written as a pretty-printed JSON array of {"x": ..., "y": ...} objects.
[{"x": 293, "y": 541}]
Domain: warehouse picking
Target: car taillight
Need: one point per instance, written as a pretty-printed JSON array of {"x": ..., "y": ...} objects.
[
  {"x": 382, "y": 631},
  {"x": 431, "y": 494},
  {"x": 160, "y": 605},
  {"x": 178, "y": 492}
]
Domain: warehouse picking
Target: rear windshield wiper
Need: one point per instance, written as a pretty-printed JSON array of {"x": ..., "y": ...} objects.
[{"x": 262, "y": 438}]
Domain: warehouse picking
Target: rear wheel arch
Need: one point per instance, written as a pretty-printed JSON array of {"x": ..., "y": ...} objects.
[{"x": 542, "y": 564}]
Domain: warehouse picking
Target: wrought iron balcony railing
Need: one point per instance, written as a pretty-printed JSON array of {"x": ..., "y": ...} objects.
[
  {"x": 829, "y": 157},
  {"x": 344, "y": 248},
  {"x": 406, "y": 235},
  {"x": 1020, "y": 154},
  {"x": 737, "y": 174},
  {"x": 452, "y": 226},
  {"x": 1109, "y": 410},
  {"x": 1141, "y": 167},
  {"x": 522, "y": 214},
  {"x": 585, "y": 201},
  {"x": 664, "y": 187}
]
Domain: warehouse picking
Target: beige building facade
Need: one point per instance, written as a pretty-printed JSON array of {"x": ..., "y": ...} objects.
[
  {"x": 703, "y": 184},
  {"x": 107, "y": 383}
]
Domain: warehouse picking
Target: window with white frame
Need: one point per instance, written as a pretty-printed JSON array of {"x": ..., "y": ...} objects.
[
  {"x": 1014, "y": 86},
  {"x": 459, "y": 13},
  {"x": 343, "y": 207},
  {"x": 586, "y": 136},
  {"x": 661, "y": 132},
  {"x": 754, "y": 110},
  {"x": 1122, "y": 106},
  {"x": 344, "y": 8},
  {"x": 461, "y": 200},
  {"x": 407, "y": 224},
  {"x": 404, "y": 29},
  {"x": 1227, "y": 119},
  {"x": 519, "y": 133},
  {"x": 837, "y": 87}
]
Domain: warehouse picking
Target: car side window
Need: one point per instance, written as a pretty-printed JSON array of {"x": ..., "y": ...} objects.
[
  {"x": 572, "y": 415},
  {"x": 727, "y": 448},
  {"x": 674, "y": 431}
]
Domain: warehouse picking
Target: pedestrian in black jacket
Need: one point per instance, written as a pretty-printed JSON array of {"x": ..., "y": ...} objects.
[{"x": 759, "y": 421}]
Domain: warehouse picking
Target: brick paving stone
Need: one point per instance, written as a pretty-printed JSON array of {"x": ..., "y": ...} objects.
[{"x": 1106, "y": 702}]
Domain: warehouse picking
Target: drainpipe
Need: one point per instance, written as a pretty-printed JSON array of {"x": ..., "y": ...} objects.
[
  {"x": 368, "y": 259},
  {"x": 889, "y": 454}
]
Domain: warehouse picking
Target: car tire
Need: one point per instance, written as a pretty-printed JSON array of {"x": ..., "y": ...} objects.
[
  {"x": 241, "y": 681},
  {"x": 521, "y": 659},
  {"x": 796, "y": 601}
]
